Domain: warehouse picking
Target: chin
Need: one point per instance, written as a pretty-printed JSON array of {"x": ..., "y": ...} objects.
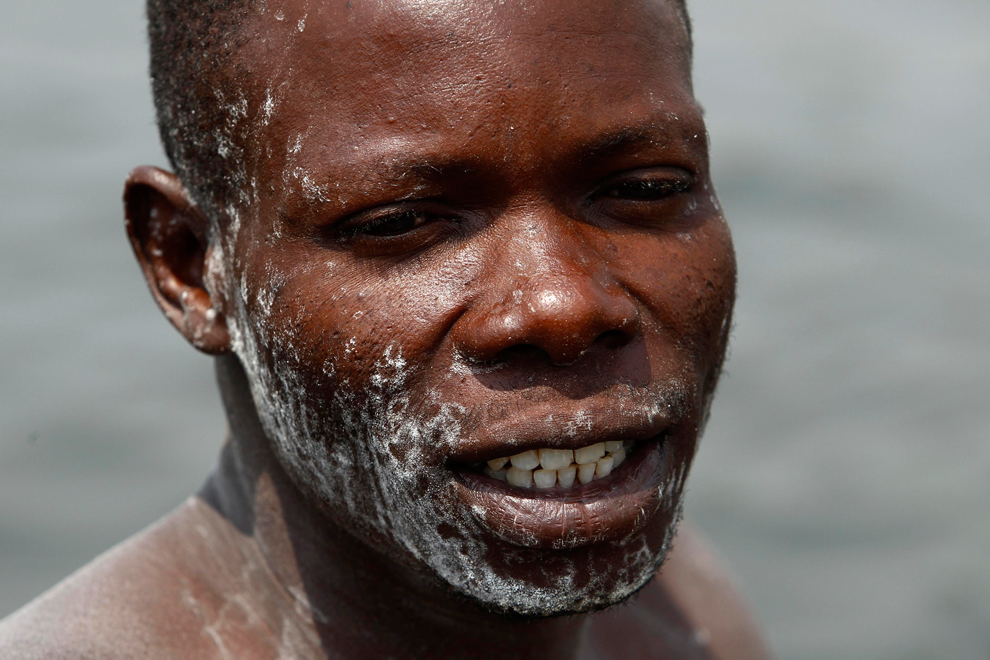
[{"x": 569, "y": 582}]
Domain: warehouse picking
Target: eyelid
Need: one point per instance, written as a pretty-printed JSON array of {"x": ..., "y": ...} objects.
[
  {"x": 645, "y": 175},
  {"x": 351, "y": 230},
  {"x": 440, "y": 219},
  {"x": 352, "y": 224}
]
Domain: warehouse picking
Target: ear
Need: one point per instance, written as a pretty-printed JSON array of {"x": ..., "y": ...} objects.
[{"x": 169, "y": 236}]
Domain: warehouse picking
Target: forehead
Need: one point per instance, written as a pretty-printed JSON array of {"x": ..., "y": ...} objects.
[
  {"x": 360, "y": 80},
  {"x": 355, "y": 36}
]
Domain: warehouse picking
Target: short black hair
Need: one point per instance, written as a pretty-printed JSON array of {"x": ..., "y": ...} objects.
[
  {"x": 202, "y": 130},
  {"x": 191, "y": 44}
]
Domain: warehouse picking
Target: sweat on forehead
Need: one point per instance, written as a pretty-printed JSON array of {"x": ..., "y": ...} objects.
[{"x": 209, "y": 101}]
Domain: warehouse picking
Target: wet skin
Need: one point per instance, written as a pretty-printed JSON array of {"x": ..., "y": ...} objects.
[
  {"x": 507, "y": 239},
  {"x": 468, "y": 230}
]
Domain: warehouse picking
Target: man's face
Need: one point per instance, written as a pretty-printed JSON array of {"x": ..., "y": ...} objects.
[{"x": 477, "y": 229}]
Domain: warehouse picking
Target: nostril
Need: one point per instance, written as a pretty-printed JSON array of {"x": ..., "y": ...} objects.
[
  {"x": 521, "y": 354},
  {"x": 614, "y": 339}
]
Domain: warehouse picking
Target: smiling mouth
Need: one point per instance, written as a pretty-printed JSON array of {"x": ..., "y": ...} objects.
[
  {"x": 562, "y": 498},
  {"x": 558, "y": 469}
]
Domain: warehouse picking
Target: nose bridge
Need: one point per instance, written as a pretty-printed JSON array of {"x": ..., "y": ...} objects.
[
  {"x": 547, "y": 289},
  {"x": 558, "y": 278}
]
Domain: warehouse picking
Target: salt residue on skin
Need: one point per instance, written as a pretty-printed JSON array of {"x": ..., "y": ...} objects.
[{"x": 365, "y": 454}]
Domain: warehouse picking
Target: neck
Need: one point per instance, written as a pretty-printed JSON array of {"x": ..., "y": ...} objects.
[{"x": 360, "y": 602}]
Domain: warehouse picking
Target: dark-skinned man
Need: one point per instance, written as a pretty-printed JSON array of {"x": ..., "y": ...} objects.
[{"x": 469, "y": 289}]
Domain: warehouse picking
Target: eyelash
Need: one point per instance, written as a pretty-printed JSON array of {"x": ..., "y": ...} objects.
[
  {"x": 367, "y": 228},
  {"x": 645, "y": 190}
]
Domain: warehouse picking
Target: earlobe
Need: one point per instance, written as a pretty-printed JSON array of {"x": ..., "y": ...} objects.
[{"x": 169, "y": 236}]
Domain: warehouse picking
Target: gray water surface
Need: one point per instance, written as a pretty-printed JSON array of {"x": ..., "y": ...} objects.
[{"x": 845, "y": 475}]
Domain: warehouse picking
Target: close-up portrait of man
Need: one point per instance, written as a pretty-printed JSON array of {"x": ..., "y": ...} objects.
[
  {"x": 449, "y": 295},
  {"x": 469, "y": 288}
]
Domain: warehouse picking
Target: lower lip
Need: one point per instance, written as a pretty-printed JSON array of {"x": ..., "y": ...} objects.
[{"x": 605, "y": 510}]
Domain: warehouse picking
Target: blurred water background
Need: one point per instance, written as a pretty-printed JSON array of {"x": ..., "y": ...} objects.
[{"x": 845, "y": 475}]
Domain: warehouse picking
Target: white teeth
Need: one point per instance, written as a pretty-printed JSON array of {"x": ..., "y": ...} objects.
[
  {"x": 494, "y": 474},
  {"x": 586, "y": 472},
  {"x": 589, "y": 454},
  {"x": 618, "y": 457},
  {"x": 555, "y": 459},
  {"x": 547, "y": 468},
  {"x": 566, "y": 476},
  {"x": 527, "y": 460},
  {"x": 520, "y": 478},
  {"x": 545, "y": 478},
  {"x": 497, "y": 463}
]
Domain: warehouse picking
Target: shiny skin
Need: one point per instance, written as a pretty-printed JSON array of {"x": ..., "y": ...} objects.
[
  {"x": 515, "y": 199},
  {"x": 523, "y": 216}
]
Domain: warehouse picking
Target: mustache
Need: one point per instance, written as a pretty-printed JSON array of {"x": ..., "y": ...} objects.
[
  {"x": 620, "y": 405},
  {"x": 398, "y": 404}
]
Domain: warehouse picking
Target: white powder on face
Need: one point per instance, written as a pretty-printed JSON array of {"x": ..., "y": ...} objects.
[
  {"x": 372, "y": 456},
  {"x": 368, "y": 452},
  {"x": 374, "y": 462}
]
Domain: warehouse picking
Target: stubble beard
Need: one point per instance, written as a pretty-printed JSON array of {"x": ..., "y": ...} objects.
[{"x": 368, "y": 459}]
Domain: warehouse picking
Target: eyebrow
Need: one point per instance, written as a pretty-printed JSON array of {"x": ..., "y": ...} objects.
[
  {"x": 626, "y": 139},
  {"x": 657, "y": 130},
  {"x": 408, "y": 172},
  {"x": 426, "y": 169}
]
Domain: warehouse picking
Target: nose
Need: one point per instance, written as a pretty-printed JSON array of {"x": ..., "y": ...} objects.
[{"x": 560, "y": 308}]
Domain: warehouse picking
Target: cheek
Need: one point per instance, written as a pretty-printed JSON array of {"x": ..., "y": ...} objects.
[
  {"x": 346, "y": 317},
  {"x": 713, "y": 284},
  {"x": 688, "y": 286},
  {"x": 337, "y": 348}
]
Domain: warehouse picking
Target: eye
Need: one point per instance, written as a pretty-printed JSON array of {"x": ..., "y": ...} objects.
[
  {"x": 650, "y": 197},
  {"x": 646, "y": 189},
  {"x": 386, "y": 225},
  {"x": 393, "y": 231}
]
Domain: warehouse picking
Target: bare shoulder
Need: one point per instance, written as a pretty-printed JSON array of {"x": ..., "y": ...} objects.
[
  {"x": 154, "y": 595},
  {"x": 701, "y": 587},
  {"x": 692, "y": 610}
]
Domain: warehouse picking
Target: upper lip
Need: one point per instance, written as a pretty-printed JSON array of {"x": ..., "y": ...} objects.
[{"x": 552, "y": 428}]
